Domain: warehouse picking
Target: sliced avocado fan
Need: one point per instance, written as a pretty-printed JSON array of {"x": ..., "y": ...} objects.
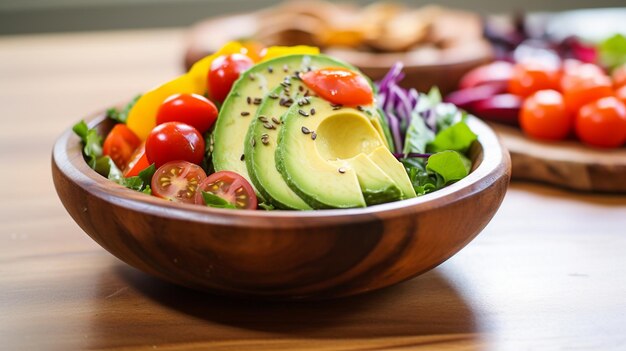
[{"x": 325, "y": 158}]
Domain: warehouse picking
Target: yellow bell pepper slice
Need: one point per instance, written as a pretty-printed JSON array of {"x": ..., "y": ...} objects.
[
  {"x": 278, "y": 51},
  {"x": 142, "y": 117}
]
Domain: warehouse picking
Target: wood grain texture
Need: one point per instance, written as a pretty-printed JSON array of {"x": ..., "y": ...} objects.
[
  {"x": 548, "y": 272},
  {"x": 423, "y": 70},
  {"x": 281, "y": 254},
  {"x": 567, "y": 164}
]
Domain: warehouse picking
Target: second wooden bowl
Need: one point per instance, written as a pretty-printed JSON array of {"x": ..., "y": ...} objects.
[{"x": 282, "y": 254}]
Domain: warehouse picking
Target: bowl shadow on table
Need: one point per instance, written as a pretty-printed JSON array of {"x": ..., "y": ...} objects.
[
  {"x": 605, "y": 199},
  {"x": 427, "y": 305}
]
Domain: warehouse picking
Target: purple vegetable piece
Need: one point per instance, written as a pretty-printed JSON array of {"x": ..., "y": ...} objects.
[
  {"x": 502, "y": 108},
  {"x": 411, "y": 155},
  {"x": 466, "y": 98}
]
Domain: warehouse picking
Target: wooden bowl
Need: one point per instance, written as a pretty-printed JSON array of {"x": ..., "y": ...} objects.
[
  {"x": 281, "y": 254},
  {"x": 424, "y": 68}
]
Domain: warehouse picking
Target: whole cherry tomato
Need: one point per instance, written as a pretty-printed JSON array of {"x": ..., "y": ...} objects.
[
  {"x": 224, "y": 71},
  {"x": 602, "y": 123},
  {"x": 231, "y": 187},
  {"x": 544, "y": 116},
  {"x": 174, "y": 141},
  {"x": 531, "y": 76},
  {"x": 192, "y": 109},
  {"x": 339, "y": 86},
  {"x": 584, "y": 85},
  {"x": 177, "y": 181},
  {"x": 120, "y": 144}
]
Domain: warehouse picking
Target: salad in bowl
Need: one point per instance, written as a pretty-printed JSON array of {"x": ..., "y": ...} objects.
[{"x": 286, "y": 128}]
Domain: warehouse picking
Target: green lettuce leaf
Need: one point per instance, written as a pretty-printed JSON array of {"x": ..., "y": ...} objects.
[
  {"x": 213, "y": 200},
  {"x": 449, "y": 165},
  {"x": 458, "y": 137},
  {"x": 122, "y": 115},
  {"x": 612, "y": 51}
]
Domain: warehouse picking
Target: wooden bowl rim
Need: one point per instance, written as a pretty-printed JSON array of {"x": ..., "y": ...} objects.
[{"x": 67, "y": 157}]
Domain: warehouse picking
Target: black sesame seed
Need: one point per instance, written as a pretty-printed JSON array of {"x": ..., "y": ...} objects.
[
  {"x": 305, "y": 130},
  {"x": 275, "y": 120},
  {"x": 245, "y": 113},
  {"x": 270, "y": 69},
  {"x": 313, "y": 135},
  {"x": 312, "y": 111},
  {"x": 242, "y": 157},
  {"x": 273, "y": 96},
  {"x": 302, "y": 113},
  {"x": 306, "y": 93},
  {"x": 249, "y": 100},
  {"x": 360, "y": 108},
  {"x": 257, "y": 101},
  {"x": 268, "y": 126},
  {"x": 263, "y": 119}
]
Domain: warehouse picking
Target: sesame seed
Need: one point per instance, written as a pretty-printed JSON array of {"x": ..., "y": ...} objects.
[
  {"x": 257, "y": 101},
  {"x": 341, "y": 170},
  {"x": 252, "y": 142},
  {"x": 263, "y": 119},
  {"x": 273, "y": 96},
  {"x": 300, "y": 88},
  {"x": 313, "y": 135},
  {"x": 360, "y": 108},
  {"x": 265, "y": 141},
  {"x": 312, "y": 111},
  {"x": 268, "y": 126},
  {"x": 270, "y": 69},
  {"x": 242, "y": 157},
  {"x": 305, "y": 130},
  {"x": 245, "y": 113},
  {"x": 249, "y": 100},
  {"x": 275, "y": 120},
  {"x": 304, "y": 114}
]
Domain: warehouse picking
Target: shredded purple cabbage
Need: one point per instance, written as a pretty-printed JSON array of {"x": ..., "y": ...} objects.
[{"x": 400, "y": 106}]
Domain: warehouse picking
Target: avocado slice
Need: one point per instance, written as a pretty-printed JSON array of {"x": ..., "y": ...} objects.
[
  {"x": 241, "y": 105},
  {"x": 395, "y": 170},
  {"x": 325, "y": 157},
  {"x": 260, "y": 148}
]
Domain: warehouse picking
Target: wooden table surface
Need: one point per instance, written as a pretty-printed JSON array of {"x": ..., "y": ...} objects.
[{"x": 549, "y": 272}]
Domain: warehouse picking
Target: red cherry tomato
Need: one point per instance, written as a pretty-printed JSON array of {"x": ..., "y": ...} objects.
[
  {"x": 532, "y": 76},
  {"x": 177, "y": 181},
  {"x": 495, "y": 72},
  {"x": 621, "y": 94},
  {"x": 584, "y": 86},
  {"x": 619, "y": 76},
  {"x": 138, "y": 162},
  {"x": 544, "y": 116},
  {"x": 192, "y": 109},
  {"x": 120, "y": 144},
  {"x": 231, "y": 187},
  {"x": 174, "y": 141},
  {"x": 224, "y": 71},
  {"x": 602, "y": 123},
  {"x": 339, "y": 86}
]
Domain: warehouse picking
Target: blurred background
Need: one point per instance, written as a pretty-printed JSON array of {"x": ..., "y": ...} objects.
[{"x": 34, "y": 16}]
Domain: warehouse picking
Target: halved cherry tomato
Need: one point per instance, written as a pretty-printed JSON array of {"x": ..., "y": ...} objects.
[
  {"x": 544, "y": 116},
  {"x": 138, "y": 162},
  {"x": 224, "y": 71},
  {"x": 532, "y": 76},
  {"x": 339, "y": 86},
  {"x": 192, "y": 109},
  {"x": 583, "y": 86},
  {"x": 120, "y": 144},
  {"x": 619, "y": 76},
  {"x": 177, "y": 181},
  {"x": 231, "y": 187},
  {"x": 174, "y": 141},
  {"x": 602, "y": 123}
]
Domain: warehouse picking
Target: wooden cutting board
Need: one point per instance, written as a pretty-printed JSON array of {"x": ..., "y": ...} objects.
[{"x": 567, "y": 164}]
